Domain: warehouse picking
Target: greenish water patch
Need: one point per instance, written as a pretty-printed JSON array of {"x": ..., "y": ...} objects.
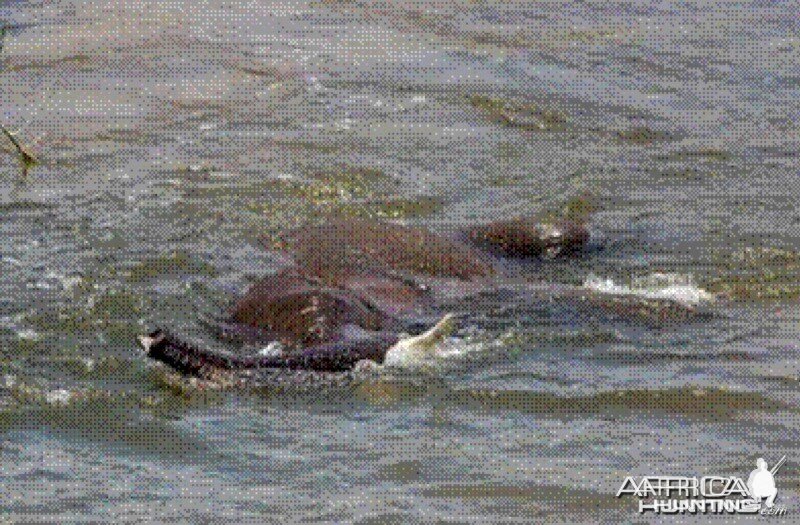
[
  {"x": 353, "y": 192},
  {"x": 8, "y": 207},
  {"x": 172, "y": 263},
  {"x": 394, "y": 208},
  {"x": 151, "y": 392},
  {"x": 23, "y": 346},
  {"x": 307, "y": 145},
  {"x": 112, "y": 313},
  {"x": 765, "y": 255},
  {"x": 96, "y": 368},
  {"x": 765, "y": 286},
  {"x": 404, "y": 470},
  {"x": 354, "y": 182},
  {"x": 120, "y": 135},
  {"x": 702, "y": 154},
  {"x": 120, "y": 419},
  {"x": 503, "y": 180},
  {"x": 189, "y": 389},
  {"x": 517, "y": 341},
  {"x": 521, "y": 115},
  {"x": 690, "y": 173},
  {"x": 511, "y": 151},
  {"x": 758, "y": 273},
  {"x": 643, "y": 135},
  {"x": 66, "y": 321},
  {"x": 200, "y": 168},
  {"x": 694, "y": 401},
  {"x": 77, "y": 62},
  {"x": 580, "y": 207},
  {"x": 260, "y": 72},
  {"x": 593, "y": 35},
  {"x": 510, "y": 164},
  {"x": 332, "y": 187},
  {"x": 117, "y": 304}
]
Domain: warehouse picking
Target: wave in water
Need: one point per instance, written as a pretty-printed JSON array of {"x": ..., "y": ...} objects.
[{"x": 670, "y": 286}]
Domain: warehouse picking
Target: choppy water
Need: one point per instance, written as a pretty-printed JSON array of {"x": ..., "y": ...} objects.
[{"x": 174, "y": 134}]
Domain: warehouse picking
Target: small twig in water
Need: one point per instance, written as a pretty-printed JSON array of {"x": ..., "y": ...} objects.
[{"x": 26, "y": 157}]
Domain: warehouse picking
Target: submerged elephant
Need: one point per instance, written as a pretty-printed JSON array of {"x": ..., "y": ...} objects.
[{"x": 352, "y": 289}]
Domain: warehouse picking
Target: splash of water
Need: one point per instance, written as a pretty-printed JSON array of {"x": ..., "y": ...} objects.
[{"x": 670, "y": 286}]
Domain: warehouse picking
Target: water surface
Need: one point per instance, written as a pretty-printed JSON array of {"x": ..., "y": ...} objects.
[{"x": 175, "y": 134}]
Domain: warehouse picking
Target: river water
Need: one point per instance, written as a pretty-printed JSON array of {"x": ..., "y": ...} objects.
[{"x": 173, "y": 135}]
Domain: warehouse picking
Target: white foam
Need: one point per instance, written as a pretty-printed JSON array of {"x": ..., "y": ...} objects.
[
  {"x": 28, "y": 335},
  {"x": 670, "y": 286},
  {"x": 58, "y": 397},
  {"x": 67, "y": 282},
  {"x": 274, "y": 349},
  {"x": 56, "y": 281},
  {"x": 10, "y": 260}
]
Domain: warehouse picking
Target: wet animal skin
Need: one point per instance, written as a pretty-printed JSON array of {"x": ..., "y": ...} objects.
[{"x": 353, "y": 276}]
